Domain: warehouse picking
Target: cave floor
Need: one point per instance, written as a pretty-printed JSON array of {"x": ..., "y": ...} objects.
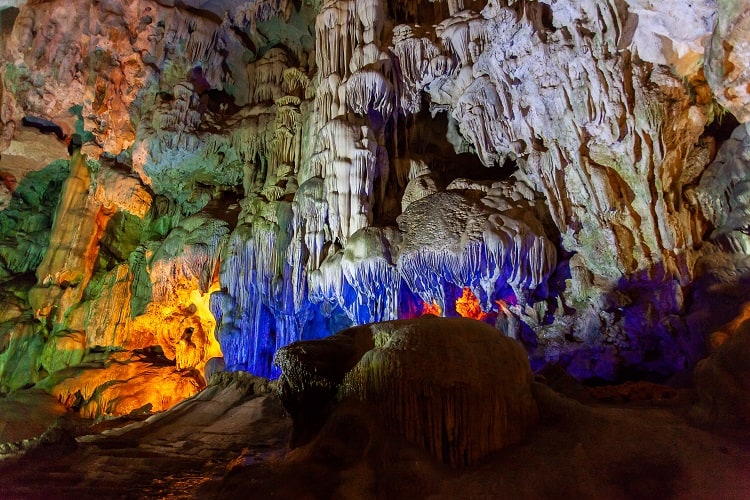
[{"x": 230, "y": 442}]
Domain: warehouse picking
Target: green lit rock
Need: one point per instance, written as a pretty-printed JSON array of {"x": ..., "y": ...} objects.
[
  {"x": 25, "y": 224},
  {"x": 20, "y": 361},
  {"x": 64, "y": 349},
  {"x": 122, "y": 235}
]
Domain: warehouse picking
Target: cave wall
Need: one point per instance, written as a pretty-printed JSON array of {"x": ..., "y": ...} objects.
[{"x": 241, "y": 175}]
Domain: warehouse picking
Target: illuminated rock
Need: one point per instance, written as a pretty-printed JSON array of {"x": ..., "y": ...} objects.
[
  {"x": 63, "y": 350},
  {"x": 317, "y": 165},
  {"x": 123, "y": 384},
  {"x": 420, "y": 376},
  {"x": 727, "y": 67},
  {"x": 728, "y": 212},
  {"x": 20, "y": 357},
  {"x": 69, "y": 262},
  {"x": 658, "y": 35},
  {"x": 479, "y": 244},
  {"x": 28, "y": 151},
  {"x": 723, "y": 380},
  {"x": 467, "y": 306},
  {"x": 27, "y": 220},
  {"x": 587, "y": 165}
]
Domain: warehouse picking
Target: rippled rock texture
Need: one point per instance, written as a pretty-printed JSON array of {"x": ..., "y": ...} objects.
[
  {"x": 219, "y": 179},
  {"x": 457, "y": 387}
]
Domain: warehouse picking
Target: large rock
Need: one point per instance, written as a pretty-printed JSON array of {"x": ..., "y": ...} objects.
[
  {"x": 121, "y": 384},
  {"x": 723, "y": 382},
  {"x": 455, "y": 386},
  {"x": 312, "y": 372}
]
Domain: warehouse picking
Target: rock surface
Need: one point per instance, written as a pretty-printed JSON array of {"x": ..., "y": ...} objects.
[
  {"x": 723, "y": 381},
  {"x": 424, "y": 377},
  {"x": 171, "y": 453},
  {"x": 727, "y": 67},
  {"x": 455, "y": 386},
  {"x": 230, "y": 440},
  {"x": 316, "y": 165},
  {"x": 312, "y": 374}
]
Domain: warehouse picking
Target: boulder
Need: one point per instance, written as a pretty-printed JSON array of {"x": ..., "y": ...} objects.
[
  {"x": 722, "y": 382},
  {"x": 455, "y": 386},
  {"x": 312, "y": 372}
]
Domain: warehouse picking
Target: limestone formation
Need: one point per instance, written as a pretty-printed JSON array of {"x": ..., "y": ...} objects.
[
  {"x": 312, "y": 374},
  {"x": 727, "y": 67},
  {"x": 457, "y": 387},
  {"x": 727, "y": 174},
  {"x": 722, "y": 382},
  {"x": 243, "y": 175},
  {"x": 121, "y": 386}
]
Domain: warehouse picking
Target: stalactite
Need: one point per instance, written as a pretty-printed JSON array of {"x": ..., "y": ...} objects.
[
  {"x": 369, "y": 270},
  {"x": 480, "y": 251},
  {"x": 369, "y": 90},
  {"x": 598, "y": 112}
]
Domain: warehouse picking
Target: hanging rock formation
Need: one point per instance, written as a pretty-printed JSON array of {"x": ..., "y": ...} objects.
[
  {"x": 727, "y": 66},
  {"x": 255, "y": 173}
]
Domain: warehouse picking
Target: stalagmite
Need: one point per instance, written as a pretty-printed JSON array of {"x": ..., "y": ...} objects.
[{"x": 68, "y": 265}]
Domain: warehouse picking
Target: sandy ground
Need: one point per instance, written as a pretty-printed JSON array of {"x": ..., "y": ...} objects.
[{"x": 230, "y": 442}]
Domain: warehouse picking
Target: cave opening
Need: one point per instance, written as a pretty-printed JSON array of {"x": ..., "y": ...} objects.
[
  {"x": 722, "y": 126},
  {"x": 428, "y": 143},
  {"x": 224, "y": 205}
]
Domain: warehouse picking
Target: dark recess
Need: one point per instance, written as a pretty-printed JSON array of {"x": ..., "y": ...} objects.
[
  {"x": 7, "y": 20},
  {"x": 44, "y": 126}
]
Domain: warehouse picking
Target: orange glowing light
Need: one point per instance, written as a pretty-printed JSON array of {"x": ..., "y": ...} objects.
[
  {"x": 467, "y": 305},
  {"x": 502, "y": 306},
  {"x": 728, "y": 330},
  {"x": 433, "y": 308}
]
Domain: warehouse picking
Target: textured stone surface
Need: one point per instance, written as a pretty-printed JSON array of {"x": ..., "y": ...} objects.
[
  {"x": 728, "y": 175},
  {"x": 121, "y": 385},
  {"x": 27, "y": 220},
  {"x": 427, "y": 376},
  {"x": 316, "y": 165},
  {"x": 422, "y": 377},
  {"x": 29, "y": 151},
  {"x": 312, "y": 374},
  {"x": 171, "y": 453},
  {"x": 727, "y": 67},
  {"x": 723, "y": 382}
]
